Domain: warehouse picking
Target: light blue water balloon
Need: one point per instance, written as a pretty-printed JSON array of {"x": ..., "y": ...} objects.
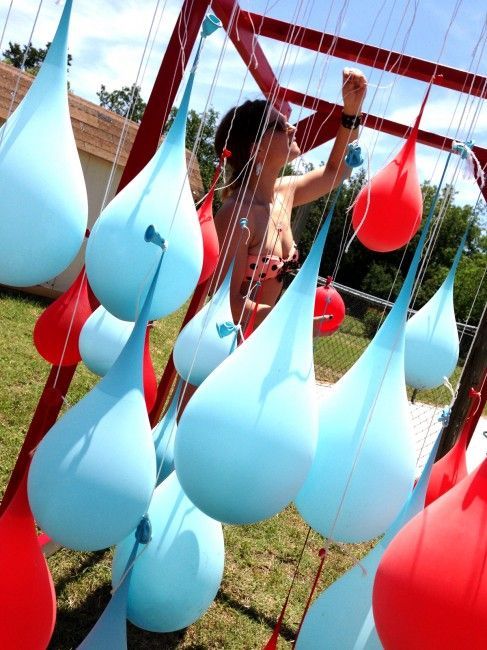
[
  {"x": 364, "y": 465},
  {"x": 208, "y": 338},
  {"x": 164, "y": 435},
  {"x": 117, "y": 262},
  {"x": 93, "y": 474},
  {"x": 102, "y": 339},
  {"x": 432, "y": 345},
  {"x": 341, "y": 617},
  {"x": 246, "y": 440},
  {"x": 43, "y": 201},
  {"x": 177, "y": 576}
]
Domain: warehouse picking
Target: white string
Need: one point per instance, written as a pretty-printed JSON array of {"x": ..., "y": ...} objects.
[
  {"x": 22, "y": 66},
  {"x": 5, "y": 23}
]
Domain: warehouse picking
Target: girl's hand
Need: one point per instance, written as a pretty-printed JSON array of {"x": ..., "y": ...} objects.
[{"x": 353, "y": 90}]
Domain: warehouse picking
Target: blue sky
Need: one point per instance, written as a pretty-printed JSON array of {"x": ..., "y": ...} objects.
[{"x": 107, "y": 41}]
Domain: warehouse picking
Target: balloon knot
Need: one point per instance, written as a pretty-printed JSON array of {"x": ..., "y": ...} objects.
[
  {"x": 143, "y": 532},
  {"x": 226, "y": 328},
  {"x": 322, "y": 552},
  {"x": 226, "y": 153},
  {"x": 445, "y": 416},
  {"x": 151, "y": 235},
  {"x": 462, "y": 148},
  {"x": 354, "y": 155}
]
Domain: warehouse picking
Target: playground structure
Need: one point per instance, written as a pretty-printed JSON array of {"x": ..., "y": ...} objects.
[{"x": 244, "y": 28}]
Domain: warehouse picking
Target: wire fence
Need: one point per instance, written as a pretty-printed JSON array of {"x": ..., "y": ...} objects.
[{"x": 334, "y": 355}]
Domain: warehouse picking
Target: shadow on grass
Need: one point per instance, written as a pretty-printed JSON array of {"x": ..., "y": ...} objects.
[
  {"x": 73, "y": 625},
  {"x": 254, "y": 614}
]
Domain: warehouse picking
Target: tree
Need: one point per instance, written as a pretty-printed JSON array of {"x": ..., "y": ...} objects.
[
  {"x": 16, "y": 53},
  {"x": 125, "y": 101}
]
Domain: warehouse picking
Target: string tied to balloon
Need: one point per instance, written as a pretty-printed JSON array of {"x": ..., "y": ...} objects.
[
  {"x": 322, "y": 553},
  {"x": 474, "y": 168},
  {"x": 444, "y": 417},
  {"x": 244, "y": 224}
]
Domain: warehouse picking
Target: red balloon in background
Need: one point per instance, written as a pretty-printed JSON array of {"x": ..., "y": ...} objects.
[
  {"x": 452, "y": 467},
  {"x": 150, "y": 381},
  {"x": 211, "y": 245},
  {"x": 447, "y": 472},
  {"x": 431, "y": 585},
  {"x": 388, "y": 210},
  {"x": 328, "y": 301},
  {"x": 27, "y": 596},
  {"x": 57, "y": 330}
]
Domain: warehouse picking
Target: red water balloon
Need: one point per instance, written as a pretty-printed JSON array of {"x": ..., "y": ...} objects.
[
  {"x": 431, "y": 585},
  {"x": 330, "y": 303},
  {"x": 57, "y": 330},
  {"x": 388, "y": 210},
  {"x": 211, "y": 245},
  {"x": 150, "y": 380},
  {"x": 27, "y": 596}
]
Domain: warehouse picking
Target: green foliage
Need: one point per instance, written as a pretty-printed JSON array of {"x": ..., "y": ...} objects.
[
  {"x": 15, "y": 54},
  {"x": 372, "y": 320},
  {"x": 125, "y": 101}
]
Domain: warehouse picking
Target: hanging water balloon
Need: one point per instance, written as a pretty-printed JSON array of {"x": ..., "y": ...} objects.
[
  {"x": 208, "y": 338},
  {"x": 57, "y": 330},
  {"x": 387, "y": 212},
  {"x": 329, "y": 310},
  {"x": 92, "y": 476},
  {"x": 342, "y": 615},
  {"x": 102, "y": 339},
  {"x": 364, "y": 466},
  {"x": 43, "y": 206},
  {"x": 117, "y": 261},
  {"x": 176, "y": 578},
  {"x": 27, "y": 596},
  {"x": 247, "y": 437},
  {"x": 431, "y": 585},
  {"x": 432, "y": 345}
]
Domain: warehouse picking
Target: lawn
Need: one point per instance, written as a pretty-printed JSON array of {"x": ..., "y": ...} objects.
[{"x": 260, "y": 559}]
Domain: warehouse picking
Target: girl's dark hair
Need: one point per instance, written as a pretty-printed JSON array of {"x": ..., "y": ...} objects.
[{"x": 241, "y": 127}]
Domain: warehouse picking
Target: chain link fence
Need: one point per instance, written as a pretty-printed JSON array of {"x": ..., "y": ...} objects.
[{"x": 334, "y": 355}]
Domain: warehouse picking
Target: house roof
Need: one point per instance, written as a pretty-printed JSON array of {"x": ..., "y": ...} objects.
[{"x": 97, "y": 131}]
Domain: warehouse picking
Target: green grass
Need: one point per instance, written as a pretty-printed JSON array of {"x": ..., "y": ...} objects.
[{"x": 260, "y": 559}]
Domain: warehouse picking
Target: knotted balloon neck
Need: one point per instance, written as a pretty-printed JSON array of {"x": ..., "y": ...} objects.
[
  {"x": 465, "y": 149},
  {"x": 143, "y": 532},
  {"x": 404, "y": 297}
]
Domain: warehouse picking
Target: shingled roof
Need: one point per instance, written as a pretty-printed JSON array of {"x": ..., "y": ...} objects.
[{"x": 97, "y": 131}]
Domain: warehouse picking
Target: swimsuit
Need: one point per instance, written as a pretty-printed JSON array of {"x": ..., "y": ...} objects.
[{"x": 266, "y": 267}]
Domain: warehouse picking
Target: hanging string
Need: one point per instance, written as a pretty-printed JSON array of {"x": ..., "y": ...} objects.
[
  {"x": 22, "y": 66},
  {"x": 6, "y": 23}
]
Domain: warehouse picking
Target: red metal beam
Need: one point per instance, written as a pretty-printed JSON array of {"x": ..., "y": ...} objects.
[
  {"x": 165, "y": 87},
  {"x": 375, "y": 57},
  {"x": 243, "y": 31}
]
